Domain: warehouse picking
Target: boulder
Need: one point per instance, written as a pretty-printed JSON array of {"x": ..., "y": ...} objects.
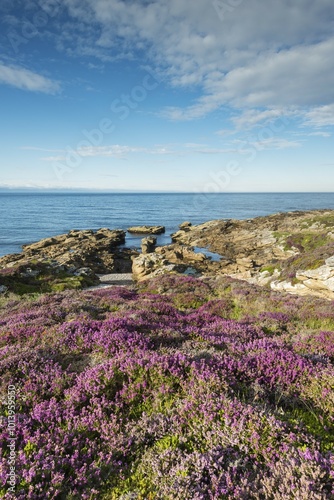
[
  {"x": 153, "y": 264},
  {"x": 148, "y": 244},
  {"x": 182, "y": 254},
  {"x": 185, "y": 226}
]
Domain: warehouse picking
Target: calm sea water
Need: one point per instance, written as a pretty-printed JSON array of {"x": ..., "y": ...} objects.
[{"x": 29, "y": 217}]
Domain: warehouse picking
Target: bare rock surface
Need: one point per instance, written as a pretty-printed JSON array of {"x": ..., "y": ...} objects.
[
  {"x": 292, "y": 252},
  {"x": 175, "y": 259},
  {"x": 71, "y": 260},
  {"x": 146, "y": 229},
  {"x": 148, "y": 244},
  {"x": 98, "y": 250}
]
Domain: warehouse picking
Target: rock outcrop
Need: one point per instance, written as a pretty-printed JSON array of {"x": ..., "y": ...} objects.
[
  {"x": 148, "y": 244},
  {"x": 176, "y": 259},
  {"x": 97, "y": 250},
  {"x": 153, "y": 264},
  {"x": 146, "y": 229},
  {"x": 73, "y": 259},
  {"x": 318, "y": 282},
  {"x": 290, "y": 251},
  {"x": 185, "y": 226}
]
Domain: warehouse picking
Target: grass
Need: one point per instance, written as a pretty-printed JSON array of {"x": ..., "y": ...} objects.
[
  {"x": 313, "y": 258},
  {"x": 325, "y": 220},
  {"x": 270, "y": 268}
]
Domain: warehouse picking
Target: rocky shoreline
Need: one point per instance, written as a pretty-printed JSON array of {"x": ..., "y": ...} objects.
[
  {"x": 153, "y": 382},
  {"x": 291, "y": 252}
]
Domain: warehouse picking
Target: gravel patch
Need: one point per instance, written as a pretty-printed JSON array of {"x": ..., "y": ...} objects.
[{"x": 108, "y": 280}]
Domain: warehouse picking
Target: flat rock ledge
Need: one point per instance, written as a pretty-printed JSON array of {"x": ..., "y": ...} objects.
[{"x": 146, "y": 229}]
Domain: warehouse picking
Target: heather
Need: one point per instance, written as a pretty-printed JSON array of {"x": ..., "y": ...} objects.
[
  {"x": 311, "y": 257},
  {"x": 179, "y": 388}
]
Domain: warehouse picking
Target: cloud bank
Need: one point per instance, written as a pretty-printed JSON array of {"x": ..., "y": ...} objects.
[{"x": 277, "y": 56}]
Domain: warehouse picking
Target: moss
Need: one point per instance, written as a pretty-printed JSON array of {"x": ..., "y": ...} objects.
[
  {"x": 167, "y": 442},
  {"x": 324, "y": 220},
  {"x": 23, "y": 288},
  {"x": 310, "y": 259},
  {"x": 270, "y": 268},
  {"x": 304, "y": 242},
  {"x": 280, "y": 234},
  {"x": 18, "y": 282},
  {"x": 69, "y": 283}
]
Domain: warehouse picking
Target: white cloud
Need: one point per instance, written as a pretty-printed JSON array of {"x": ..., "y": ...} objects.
[
  {"x": 237, "y": 61},
  {"x": 252, "y": 117},
  {"x": 25, "y": 79},
  {"x": 320, "y": 116},
  {"x": 321, "y": 134},
  {"x": 112, "y": 151},
  {"x": 122, "y": 151},
  {"x": 270, "y": 59},
  {"x": 289, "y": 78},
  {"x": 268, "y": 143}
]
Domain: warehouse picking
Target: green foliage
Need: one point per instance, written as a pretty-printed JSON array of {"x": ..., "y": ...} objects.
[
  {"x": 314, "y": 423},
  {"x": 270, "y": 268},
  {"x": 306, "y": 241},
  {"x": 323, "y": 220},
  {"x": 19, "y": 282},
  {"x": 166, "y": 443},
  {"x": 68, "y": 283},
  {"x": 29, "y": 448}
]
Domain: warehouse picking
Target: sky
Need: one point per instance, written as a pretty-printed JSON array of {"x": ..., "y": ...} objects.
[{"x": 167, "y": 95}]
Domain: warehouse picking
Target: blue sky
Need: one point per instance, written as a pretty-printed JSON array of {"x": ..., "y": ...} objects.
[{"x": 167, "y": 95}]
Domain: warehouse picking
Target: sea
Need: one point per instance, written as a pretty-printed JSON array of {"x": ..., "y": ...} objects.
[{"x": 27, "y": 217}]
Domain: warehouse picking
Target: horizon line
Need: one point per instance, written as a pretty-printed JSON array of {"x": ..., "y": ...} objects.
[{"x": 139, "y": 191}]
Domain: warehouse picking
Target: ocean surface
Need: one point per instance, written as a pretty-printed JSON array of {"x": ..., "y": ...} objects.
[{"x": 27, "y": 217}]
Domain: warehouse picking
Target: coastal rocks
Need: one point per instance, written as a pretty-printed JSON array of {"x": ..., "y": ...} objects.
[
  {"x": 180, "y": 259},
  {"x": 41, "y": 277},
  {"x": 146, "y": 229},
  {"x": 291, "y": 252},
  {"x": 319, "y": 282},
  {"x": 182, "y": 254},
  {"x": 75, "y": 241},
  {"x": 185, "y": 226},
  {"x": 148, "y": 244},
  {"x": 153, "y": 264},
  {"x": 96, "y": 250},
  {"x": 70, "y": 260},
  {"x": 268, "y": 250}
]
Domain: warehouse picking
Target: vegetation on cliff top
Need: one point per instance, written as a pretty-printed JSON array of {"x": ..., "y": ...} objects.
[{"x": 183, "y": 388}]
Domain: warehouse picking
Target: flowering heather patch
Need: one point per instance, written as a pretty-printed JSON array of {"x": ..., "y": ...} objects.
[{"x": 184, "y": 389}]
